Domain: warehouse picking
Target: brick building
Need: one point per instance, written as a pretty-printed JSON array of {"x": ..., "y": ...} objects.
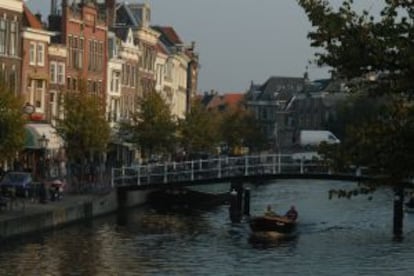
[{"x": 11, "y": 13}]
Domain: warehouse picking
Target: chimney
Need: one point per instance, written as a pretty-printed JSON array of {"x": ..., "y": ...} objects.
[
  {"x": 39, "y": 17},
  {"x": 111, "y": 14},
  {"x": 193, "y": 44},
  {"x": 53, "y": 7}
]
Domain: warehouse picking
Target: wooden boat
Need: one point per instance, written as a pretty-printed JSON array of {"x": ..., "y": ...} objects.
[{"x": 278, "y": 224}]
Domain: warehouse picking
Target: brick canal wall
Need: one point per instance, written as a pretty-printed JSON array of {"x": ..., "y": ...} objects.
[{"x": 37, "y": 217}]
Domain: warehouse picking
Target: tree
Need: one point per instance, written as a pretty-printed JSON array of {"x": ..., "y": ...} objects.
[
  {"x": 83, "y": 128},
  {"x": 12, "y": 123},
  {"x": 152, "y": 127},
  {"x": 241, "y": 129},
  {"x": 199, "y": 130},
  {"x": 376, "y": 52}
]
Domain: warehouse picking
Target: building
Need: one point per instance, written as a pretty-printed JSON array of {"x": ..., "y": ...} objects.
[
  {"x": 271, "y": 103},
  {"x": 11, "y": 15},
  {"x": 35, "y": 65},
  {"x": 82, "y": 28},
  {"x": 137, "y": 17},
  {"x": 176, "y": 67},
  {"x": 286, "y": 105},
  {"x": 57, "y": 80}
]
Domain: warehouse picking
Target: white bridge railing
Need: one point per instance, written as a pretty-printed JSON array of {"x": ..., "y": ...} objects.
[{"x": 218, "y": 168}]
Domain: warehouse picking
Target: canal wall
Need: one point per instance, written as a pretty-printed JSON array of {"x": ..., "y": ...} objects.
[{"x": 36, "y": 217}]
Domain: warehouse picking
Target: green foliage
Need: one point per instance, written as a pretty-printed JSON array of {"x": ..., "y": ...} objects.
[
  {"x": 358, "y": 45},
  {"x": 152, "y": 126},
  {"x": 12, "y": 123},
  {"x": 240, "y": 128},
  {"x": 199, "y": 130},
  {"x": 84, "y": 127}
]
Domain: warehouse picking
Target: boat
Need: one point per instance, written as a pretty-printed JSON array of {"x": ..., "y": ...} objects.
[
  {"x": 272, "y": 226},
  {"x": 274, "y": 223}
]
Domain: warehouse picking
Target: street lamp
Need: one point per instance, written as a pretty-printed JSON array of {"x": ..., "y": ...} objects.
[{"x": 43, "y": 142}]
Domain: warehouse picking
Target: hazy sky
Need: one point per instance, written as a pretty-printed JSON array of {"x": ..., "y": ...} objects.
[{"x": 238, "y": 40}]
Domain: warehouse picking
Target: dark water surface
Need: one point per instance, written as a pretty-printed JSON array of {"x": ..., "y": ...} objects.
[{"x": 336, "y": 237}]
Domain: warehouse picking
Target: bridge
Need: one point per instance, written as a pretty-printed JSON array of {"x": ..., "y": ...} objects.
[{"x": 249, "y": 168}]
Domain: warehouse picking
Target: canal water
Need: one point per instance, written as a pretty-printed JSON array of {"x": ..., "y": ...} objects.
[{"x": 335, "y": 237}]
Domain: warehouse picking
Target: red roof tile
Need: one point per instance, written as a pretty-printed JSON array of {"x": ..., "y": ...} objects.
[
  {"x": 31, "y": 20},
  {"x": 171, "y": 34},
  {"x": 160, "y": 48},
  {"x": 230, "y": 100}
]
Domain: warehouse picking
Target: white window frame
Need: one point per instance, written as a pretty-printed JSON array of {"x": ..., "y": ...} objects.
[
  {"x": 13, "y": 33},
  {"x": 53, "y": 72},
  {"x": 60, "y": 73},
  {"x": 3, "y": 32},
  {"x": 41, "y": 91},
  {"x": 32, "y": 53},
  {"x": 40, "y": 58}
]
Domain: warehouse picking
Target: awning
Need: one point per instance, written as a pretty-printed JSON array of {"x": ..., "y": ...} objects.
[{"x": 35, "y": 131}]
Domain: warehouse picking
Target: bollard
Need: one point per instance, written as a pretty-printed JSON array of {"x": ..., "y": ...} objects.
[
  {"x": 236, "y": 198},
  {"x": 246, "y": 209},
  {"x": 234, "y": 211}
]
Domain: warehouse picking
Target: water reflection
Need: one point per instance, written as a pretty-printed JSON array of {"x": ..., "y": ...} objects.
[{"x": 335, "y": 237}]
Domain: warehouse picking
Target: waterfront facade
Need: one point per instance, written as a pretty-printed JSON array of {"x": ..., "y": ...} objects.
[
  {"x": 106, "y": 48},
  {"x": 286, "y": 105},
  {"x": 11, "y": 14}
]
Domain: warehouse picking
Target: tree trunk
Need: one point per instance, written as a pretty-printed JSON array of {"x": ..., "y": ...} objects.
[{"x": 398, "y": 211}]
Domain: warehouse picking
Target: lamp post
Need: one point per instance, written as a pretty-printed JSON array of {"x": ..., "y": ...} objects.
[{"x": 43, "y": 142}]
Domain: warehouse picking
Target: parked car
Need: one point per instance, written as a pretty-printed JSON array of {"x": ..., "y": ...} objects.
[{"x": 20, "y": 181}]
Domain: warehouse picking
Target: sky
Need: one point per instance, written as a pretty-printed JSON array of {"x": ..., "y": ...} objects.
[{"x": 238, "y": 41}]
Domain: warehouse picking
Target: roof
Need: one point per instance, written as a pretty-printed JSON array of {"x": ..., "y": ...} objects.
[
  {"x": 30, "y": 20},
  {"x": 121, "y": 33},
  {"x": 276, "y": 88},
  {"x": 228, "y": 100},
  {"x": 168, "y": 35},
  {"x": 125, "y": 15},
  {"x": 160, "y": 48}
]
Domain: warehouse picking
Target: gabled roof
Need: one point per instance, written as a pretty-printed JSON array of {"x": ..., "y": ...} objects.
[
  {"x": 30, "y": 20},
  {"x": 121, "y": 33},
  {"x": 228, "y": 100},
  {"x": 276, "y": 88},
  {"x": 125, "y": 16},
  {"x": 168, "y": 35},
  {"x": 161, "y": 49}
]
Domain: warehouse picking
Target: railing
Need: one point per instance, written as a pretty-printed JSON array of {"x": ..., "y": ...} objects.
[{"x": 219, "y": 168}]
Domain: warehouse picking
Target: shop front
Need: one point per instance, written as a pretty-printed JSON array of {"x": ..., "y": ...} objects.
[{"x": 44, "y": 153}]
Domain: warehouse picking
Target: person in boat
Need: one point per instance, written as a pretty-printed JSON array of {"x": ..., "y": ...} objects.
[
  {"x": 292, "y": 214},
  {"x": 269, "y": 211}
]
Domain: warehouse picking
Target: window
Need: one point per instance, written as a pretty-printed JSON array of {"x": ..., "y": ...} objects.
[
  {"x": 32, "y": 53},
  {"x": 116, "y": 81},
  {"x": 2, "y": 37},
  {"x": 38, "y": 96},
  {"x": 132, "y": 79},
  {"x": 70, "y": 54},
  {"x": 53, "y": 72},
  {"x": 13, "y": 39},
  {"x": 75, "y": 52},
  {"x": 13, "y": 80},
  {"x": 61, "y": 73},
  {"x": 127, "y": 75},
  {"x": 90, "y": 56},
  {"x": 80, "y": 54},
  {"x": 40, "y": 54}
]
